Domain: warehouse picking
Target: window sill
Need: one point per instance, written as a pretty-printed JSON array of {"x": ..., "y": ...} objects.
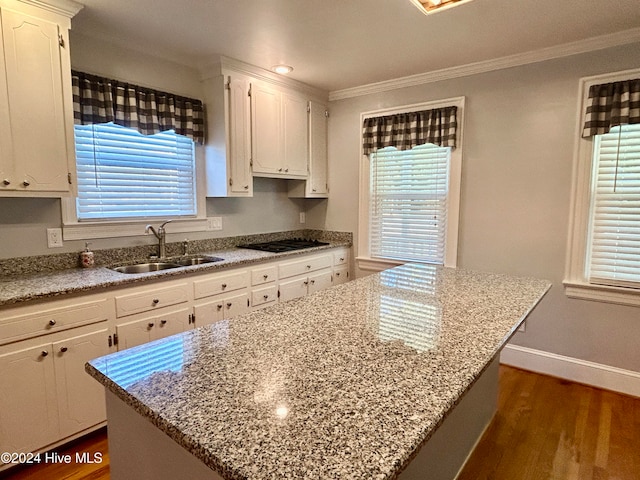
[
  {"x": 90, "y": 230},
  {"x": 376, "y": 264},
  {"x": 602, "y": 293}
]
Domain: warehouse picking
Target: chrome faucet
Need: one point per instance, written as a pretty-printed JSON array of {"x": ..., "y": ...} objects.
[{"x": 160, "y": 235}]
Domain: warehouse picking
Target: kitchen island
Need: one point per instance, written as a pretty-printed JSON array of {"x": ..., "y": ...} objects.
[{"x": 389, "y": 376}]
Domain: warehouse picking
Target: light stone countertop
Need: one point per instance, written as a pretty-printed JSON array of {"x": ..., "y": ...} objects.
[
  {"x": 16, "y": 289},
  {"x": 346, "y": 383}
]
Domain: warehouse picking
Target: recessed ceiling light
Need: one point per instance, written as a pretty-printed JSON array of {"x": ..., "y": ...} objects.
[
  {"x": 432, "y": 6},
  {"x": 282, "y": 69}
]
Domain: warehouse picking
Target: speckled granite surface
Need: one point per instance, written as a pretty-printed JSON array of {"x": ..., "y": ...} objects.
[
  {"x": 17, "y": 288},
  {"x": 346, "y": 383}
]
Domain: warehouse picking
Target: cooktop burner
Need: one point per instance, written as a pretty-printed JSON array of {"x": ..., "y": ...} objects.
[{"x": 288, "y": 245}]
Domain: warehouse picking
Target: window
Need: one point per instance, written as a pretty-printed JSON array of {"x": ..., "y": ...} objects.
[
  {"x": 123, "y": 174},
  {"x": 409, "y": 199},
  {"x": 614, "y": 223},
  {"x": 408, "y": 206},
  {"x": 604, "y": 248},
  {"x": 137, "y": 160}
]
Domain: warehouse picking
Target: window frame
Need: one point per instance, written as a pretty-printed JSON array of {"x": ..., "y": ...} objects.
[
  {"x": 364, "y": 259},
  {"x": 576, "y": 283},
  {"x": 73, "y": 229}
]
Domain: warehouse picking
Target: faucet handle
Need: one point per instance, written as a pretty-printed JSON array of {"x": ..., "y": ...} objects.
[{"x": 162, "y": 226}]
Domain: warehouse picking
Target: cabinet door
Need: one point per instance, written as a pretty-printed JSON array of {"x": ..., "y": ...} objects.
[
  {"x": 28, "y": 406},
  {"x": 7, "y": 178},
  {"x": 319, "y": 281},
  {"x": 295, "y": 135},
  {"x": 81, "y": 401},
  {"x": 239, "y": 137},
  {"x": 293, "y": 288},
  {"x": 209, "y": 312},
  {"x": 36, "y": 107},
  {"x": 340, "y": 275},
  {"x": 134, "y": 333},
  {"x": 317, "y": 184},
  {"x": 170, "y": 323},
  {"x": 266, "y": 148}
]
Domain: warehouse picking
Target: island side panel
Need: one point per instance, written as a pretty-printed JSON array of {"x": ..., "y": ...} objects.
[
  {"x": 448, "y": 449},
  {"x": 137, "y": 449}
]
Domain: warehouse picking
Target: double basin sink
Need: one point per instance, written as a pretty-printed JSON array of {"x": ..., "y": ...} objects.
[{"x": 166, "y": 265}]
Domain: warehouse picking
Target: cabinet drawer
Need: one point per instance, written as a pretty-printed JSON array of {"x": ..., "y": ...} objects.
[
  {"x": 309, "y": 264},
  {"x": 150, "y": 300},
  {"x": 260, "y": 276},
  {"x": 340, "y": 275},
  {"x": 341, "y": 257},
  {"x": 264, "y": 295},
  {"x": 220, "y": 284},
  {"x": 20, "y": 327}
]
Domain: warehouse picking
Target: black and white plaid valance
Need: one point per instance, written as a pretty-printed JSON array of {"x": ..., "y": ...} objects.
[
  {"x": 612, "y": 104},
  {"x": 406, "y": 130},
  {"x": 102, "y": 100}
]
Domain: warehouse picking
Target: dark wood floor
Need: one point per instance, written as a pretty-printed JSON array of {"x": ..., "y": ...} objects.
[{"x": 545, "y": 428}]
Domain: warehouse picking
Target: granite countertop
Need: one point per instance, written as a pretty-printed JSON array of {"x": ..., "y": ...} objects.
[
  {"x": 22, "y": 288},
  {"x": 346, "y": 383}
]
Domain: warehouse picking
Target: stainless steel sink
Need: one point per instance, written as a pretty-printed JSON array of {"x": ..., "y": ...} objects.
[
  {"x": 196, "y": 260},
  {"x": 146, "y": 267},
  {"x": 172, "y": 263}
]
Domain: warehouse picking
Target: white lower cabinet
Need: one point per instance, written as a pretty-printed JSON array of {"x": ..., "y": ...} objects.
[
  {"x": 153, "y": 327},
  {"x": 300, "y": 286},
  {"x": 46, "y": 394},
  {"x": 220, "y": 308}
]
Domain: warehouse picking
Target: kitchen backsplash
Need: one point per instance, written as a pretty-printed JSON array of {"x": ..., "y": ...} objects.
[{"x": 114, "y": 256}]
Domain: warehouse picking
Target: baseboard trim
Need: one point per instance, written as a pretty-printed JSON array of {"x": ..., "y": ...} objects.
[{"x": 573, "y": 369}]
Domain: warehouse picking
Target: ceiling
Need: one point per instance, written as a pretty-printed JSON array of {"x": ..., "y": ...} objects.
[{"x": 338, "y": 44}]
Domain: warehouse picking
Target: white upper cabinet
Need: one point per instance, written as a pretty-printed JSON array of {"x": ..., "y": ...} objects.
[
  {"x": 278, "y": 132},
  {"x": 316, "y": 185},
  {"x": 262, "y": 125},
  {"x": 228, "y": 149},
  {"x": 37, "y": 145}
]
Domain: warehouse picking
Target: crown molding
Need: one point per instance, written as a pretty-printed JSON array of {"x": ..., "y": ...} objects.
[
  {"x": 68, "y": 8},
  {"x": 565, "y": 50},
  {"x": 222, "y": 63}
]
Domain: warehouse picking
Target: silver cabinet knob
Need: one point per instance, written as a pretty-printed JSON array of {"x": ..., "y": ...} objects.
[
  {"x": 246, "y": 187},
  {"x": 224, "y": 285},
  {"x": 44, "y": 353},
  {"x": 163, "y": 322},
  {"x": 150, "y": 324},
  {"x": 156, "y": 301},
  {"x": 25, "y": 183},
  {"x": 219, "y": 306},
  {"x": 63, "y": 349},
  {"x": 6, "y": 181},
  {"x": 265, "y": 296},
  {"x": 229, "y": 304},
  {"x": 52, "y": 322},
  {"x": 265, "y": 276}
]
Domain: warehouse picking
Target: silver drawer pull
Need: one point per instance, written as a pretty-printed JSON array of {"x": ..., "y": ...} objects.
[
  {"x": 219, "y": 306},
  {"x": 25, "y": 184},
  {"x": 63, "y": 349},
  {"x": 224, "y": 285},
  {"x": 6, "y": 181},
  {"x": 150, "y": 324},
  {"x": 265, "y": 276},
  {"x": 163, "y": 322},
  {"x": 265, "y": 296},
  {"x": 156, "y": 301},
  {"x": 52, "y": 322},
  {"x": 44, "y": 353}
]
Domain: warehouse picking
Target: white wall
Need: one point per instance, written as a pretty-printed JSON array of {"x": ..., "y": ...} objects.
[{"x": 520, "y": 126}]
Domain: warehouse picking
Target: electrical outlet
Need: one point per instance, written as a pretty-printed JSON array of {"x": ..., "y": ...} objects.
[
  {"x": 303, "y": 217},
  {"x": 54, "y": 237},
  {"x": 215, "y": 223}
]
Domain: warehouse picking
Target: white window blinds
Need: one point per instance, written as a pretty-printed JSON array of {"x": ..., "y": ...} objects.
[
  {"x": 123, "y": 174},
  {"x": 408, "y": 210},
  {"x": 614, "y": 240}
]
